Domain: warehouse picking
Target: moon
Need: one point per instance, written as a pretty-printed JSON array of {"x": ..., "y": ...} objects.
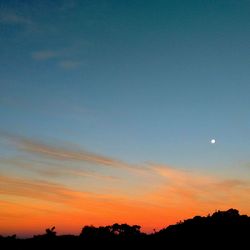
[{"x": 213, "y": 141}]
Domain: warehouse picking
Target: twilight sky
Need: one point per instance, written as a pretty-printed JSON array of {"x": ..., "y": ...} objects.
[{"x": 108, "y": 108}]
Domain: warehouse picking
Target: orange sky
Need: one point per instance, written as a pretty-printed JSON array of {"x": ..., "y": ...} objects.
[{"x": 48, "y": 188}]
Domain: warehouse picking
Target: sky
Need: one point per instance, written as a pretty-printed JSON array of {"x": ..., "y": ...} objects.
[{"x": 108, "y": 109}]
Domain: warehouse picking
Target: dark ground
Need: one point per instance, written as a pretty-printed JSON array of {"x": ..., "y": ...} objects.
[{"x": 221, "y": 230}]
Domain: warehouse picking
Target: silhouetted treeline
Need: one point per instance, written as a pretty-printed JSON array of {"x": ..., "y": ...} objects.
[
  {"x": 116, "y": 231},
  {"x": 222, "y": 228}
]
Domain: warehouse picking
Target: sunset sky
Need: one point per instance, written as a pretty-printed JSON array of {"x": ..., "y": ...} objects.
[{"x": 107, "y": 110}]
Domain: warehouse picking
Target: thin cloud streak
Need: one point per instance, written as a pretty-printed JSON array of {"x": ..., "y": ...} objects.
[
  {"x": 13, "y": 18},
  {"x": 57, "y": 193},
  {"x": 45, "y": 55},
  {"x": 54, "y": 152},
  {"x": 36, "y": 189},
  {"x": 47, "y": 169},
  {"x": 69, "y": 57},
  {"x": 179, "y": 188},
  {"x": 69, "y": 64},
  {"x": 50, "y": 192}
]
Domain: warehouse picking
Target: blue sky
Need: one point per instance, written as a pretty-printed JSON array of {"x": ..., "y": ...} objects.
[
  {"x": 108, "y": 108},
  {"x": 139, "y": 81}
]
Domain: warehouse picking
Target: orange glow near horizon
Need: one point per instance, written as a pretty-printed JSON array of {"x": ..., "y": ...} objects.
[
  {"x": 152, "y": 195},
  {"x": 24, "y": 214}
]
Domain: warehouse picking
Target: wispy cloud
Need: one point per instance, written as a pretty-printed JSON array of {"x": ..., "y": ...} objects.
[
  {"x": 45, "y": 169},
  {"x": 34, "y": 189},
  {"x": 69, "y": 64},
  {"x": 181, "y": 178},
  {"x": 45, "y": 55},
  {"x": 196, "y": 190},
  {"x": 13, "y": 18},
  {"x": 64, "y": 57},
  {"x": 49, "y": 193},
  {"x": 66, "y": 154}
]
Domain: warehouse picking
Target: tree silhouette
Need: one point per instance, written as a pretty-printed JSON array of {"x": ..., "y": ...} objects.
[
  {"x": 222, "y": 228},
  {"x": 114, "y": 231},
  {"x": 50, "y": 232}
]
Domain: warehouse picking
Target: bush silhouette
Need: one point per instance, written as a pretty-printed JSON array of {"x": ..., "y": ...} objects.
[
  {"x": 121, "y": 231},
  {"x": 224, "y": 228},
  {"x": 50, "y": 233}
]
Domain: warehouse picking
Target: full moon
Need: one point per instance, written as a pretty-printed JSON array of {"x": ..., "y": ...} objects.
[{"x": 213, "y": 141}]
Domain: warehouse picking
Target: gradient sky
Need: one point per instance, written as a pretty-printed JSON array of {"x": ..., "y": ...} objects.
[{"x": 108, "y": 108}]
